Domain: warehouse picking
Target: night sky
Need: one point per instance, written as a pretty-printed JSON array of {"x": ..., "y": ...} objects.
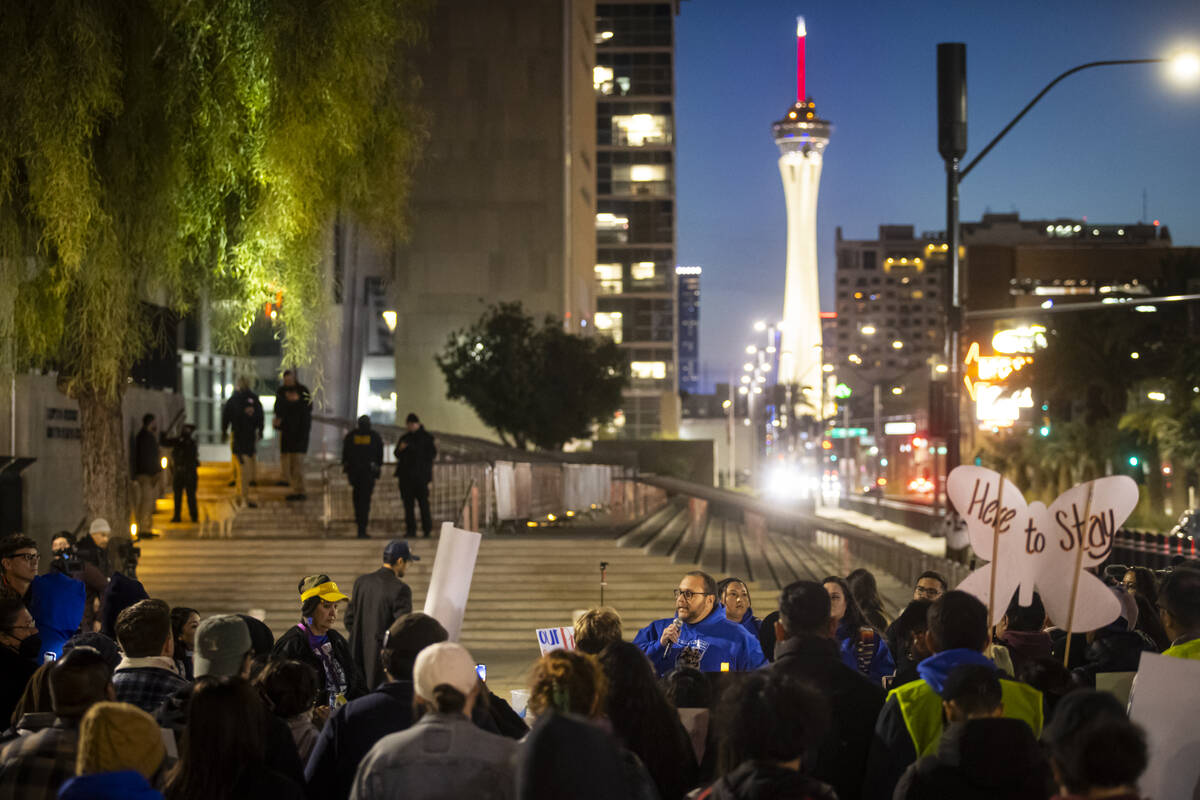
[{"x": 1089, "y": 148}]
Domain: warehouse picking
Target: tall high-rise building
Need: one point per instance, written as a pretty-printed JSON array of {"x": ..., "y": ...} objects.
[
  {"x": 634, "y": 85},
  {"x": 688, "y": 279},
  {"x": 801, "y": 137}
]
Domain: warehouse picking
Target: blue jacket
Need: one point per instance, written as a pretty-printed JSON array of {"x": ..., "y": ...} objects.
[
  {"x": 56, "y": 603},
  {"x": 751, "y": 623},
  {"x": 124, "y": 785},
  {"x": 881, "y": 664},
  {"x": 708, "y": 644}
]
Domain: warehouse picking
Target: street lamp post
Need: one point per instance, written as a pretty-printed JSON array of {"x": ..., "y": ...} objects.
[{"x": 952, "y": 145}]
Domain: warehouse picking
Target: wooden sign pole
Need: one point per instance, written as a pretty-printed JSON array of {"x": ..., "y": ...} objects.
[{"x": 1087, "y": 519}]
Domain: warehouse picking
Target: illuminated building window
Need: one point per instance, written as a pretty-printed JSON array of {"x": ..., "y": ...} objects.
[
  {"x": 609, "y": 280},
  {"x": 642, "y": 271},
  {"x": 602, "y": 79},
  {"x": 638, "y": 130},
  {"x": 611, "y": 228},
  {"x": 917, "y": 294},
  {"x": 648, "y": 370},
  {"x": 640, "y": 179},
  {"x": 610, "y": 322}
]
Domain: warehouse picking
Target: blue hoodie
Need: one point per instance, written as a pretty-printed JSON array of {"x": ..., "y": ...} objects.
[
  {"x": 124, "y": 785},
  {"x": 57, "y": 603},
  {"x": 714, "y": 640},
  {"x": 936, "y": 669}
]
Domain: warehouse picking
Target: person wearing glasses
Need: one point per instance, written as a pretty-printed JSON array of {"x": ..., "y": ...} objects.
[
  {"x": 19, "y": 564},
  {"x": 20, "y": 646},
  {"x": 699, "y": 635}
]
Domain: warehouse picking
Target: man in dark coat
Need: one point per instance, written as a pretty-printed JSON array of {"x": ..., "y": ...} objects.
[
  {"x": 293, "y": 420},
  {"x": 147, "y": 464},
  {"x": 415, "y": 453},
  {"x": 377, "y": 600},
  {"x": 243, "y": 413},
  {"x": 185, "y": 465},
  {"x": 806, "y": 649},
  {"x": 362, "y": 458}
]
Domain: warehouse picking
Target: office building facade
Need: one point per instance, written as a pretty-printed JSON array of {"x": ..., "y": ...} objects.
[
  {"x": 634, "y": 273},
  {"x": 688, "y": 279}
]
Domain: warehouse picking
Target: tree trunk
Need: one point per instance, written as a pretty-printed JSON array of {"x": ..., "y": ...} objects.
[{"x": 105, "y": 460}]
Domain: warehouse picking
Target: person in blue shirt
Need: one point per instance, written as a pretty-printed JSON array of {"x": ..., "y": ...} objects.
[
  {"x": 733, "y": 594},
  {"x": 862, "y": 646},
  {"x": 699, "y": 635}
]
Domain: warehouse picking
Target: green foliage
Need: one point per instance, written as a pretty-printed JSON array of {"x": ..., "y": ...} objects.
[
  {"x": 168, "y": 150},
  {"x": 533, "y": 384}
]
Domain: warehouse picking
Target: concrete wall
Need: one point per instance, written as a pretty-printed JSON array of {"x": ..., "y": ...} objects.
[
  {"x": 502, "y": 205},
  {"x": 47, "y": 429},
  {"x": 690, "y": 461}
]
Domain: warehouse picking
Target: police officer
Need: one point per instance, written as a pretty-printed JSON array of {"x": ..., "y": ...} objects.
[
  {"x": 362, "y": 457},
  {"x": 185, "y": 465}
]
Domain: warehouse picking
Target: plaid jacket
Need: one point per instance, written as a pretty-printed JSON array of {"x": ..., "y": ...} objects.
[
  {"x": 35, "y": 766},
  {"x": 146, "y": 687}
]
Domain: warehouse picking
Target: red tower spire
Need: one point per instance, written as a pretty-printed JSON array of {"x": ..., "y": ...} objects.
[{"x": 800, "y": 35}]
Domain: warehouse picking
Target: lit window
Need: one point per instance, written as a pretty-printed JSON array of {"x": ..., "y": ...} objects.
[
  {"x": 648, "y": 172},
  {"x": 642, "y": 270},
  {"x": 648, "y": 370},
  {"x": 917, "y": 294},
  {"x": 608, "y": 276},
  {"x": 637, "y": 130},
  {"x": 610, "y": 322},
  {"x": 611, "y": 229},
  {"x": 602, "y": 79}
]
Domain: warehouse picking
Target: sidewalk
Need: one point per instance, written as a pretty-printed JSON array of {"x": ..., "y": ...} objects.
[{"x": 920, "y": 540}]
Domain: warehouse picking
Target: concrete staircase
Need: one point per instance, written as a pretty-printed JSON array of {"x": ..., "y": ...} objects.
[
  {"x": 522, "y": 582},
  {"x": 772, "y": 561}
]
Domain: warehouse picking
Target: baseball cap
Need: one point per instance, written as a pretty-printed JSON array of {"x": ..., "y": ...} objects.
[
  {"x": 445, "y": 662},
  {"x": 320, "y": 586},
  {"x": 221, "y": 646},
  {"x": 100, "y": 525},
  {"x": 397, "y": 549}
]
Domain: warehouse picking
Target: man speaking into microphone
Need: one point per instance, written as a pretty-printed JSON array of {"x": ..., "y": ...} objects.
[{"x": 699, "y": 635}]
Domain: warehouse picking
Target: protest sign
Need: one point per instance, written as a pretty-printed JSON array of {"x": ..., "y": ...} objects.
[
  {"x": 450, "y": 581},
  {"x": 1033, "y": 547},
  {"x": 555, "y": 639},
  {"x": 1166, "y": 705}
]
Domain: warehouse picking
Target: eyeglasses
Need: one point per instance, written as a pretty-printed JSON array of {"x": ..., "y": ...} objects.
[
  {"x": 32, "y": 558},
  {"x": 924, "y": 592},
  {"x": 688, "y": 594}
]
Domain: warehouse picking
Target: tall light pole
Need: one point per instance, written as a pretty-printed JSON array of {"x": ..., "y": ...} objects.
[{"x": 952, "y": 145}]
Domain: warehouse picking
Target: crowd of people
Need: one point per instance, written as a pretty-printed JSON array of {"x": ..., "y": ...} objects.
[{"x": 827, "y": 697}]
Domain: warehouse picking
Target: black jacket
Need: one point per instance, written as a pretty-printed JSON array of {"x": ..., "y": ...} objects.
[
  {"x": 146, "y": 458},
  {"x": 1112, "y": 651},
  {"x": 377, "y": 600},
  {"x": 185, "y": 456},
  {"x": 362, "y": 455},
  {"x": 755, "y": 781},
  {"x": 414, "y": 461},
  {"x": 293, "y": 411},
  {"x": 87, "y": 550},
  {"x": 16, "y": 671},
  {"x": 294, "y": 645},
  {"x": 243, "y": 413},
  {"x": 980, "y": 759},
  {"x": 854, "y": 701}
]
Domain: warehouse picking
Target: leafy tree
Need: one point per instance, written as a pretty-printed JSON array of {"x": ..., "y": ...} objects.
[
  {"x": 172, "y": 150},
  {"x": 533, "y": 384}
]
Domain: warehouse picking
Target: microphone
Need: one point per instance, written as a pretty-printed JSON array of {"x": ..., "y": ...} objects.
[{"x": 677, "y": 624}]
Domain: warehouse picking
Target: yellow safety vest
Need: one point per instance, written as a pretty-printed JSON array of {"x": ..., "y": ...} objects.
[
  {"x": 1186, "y": 650},
  {"x": 921, "y": 708}
]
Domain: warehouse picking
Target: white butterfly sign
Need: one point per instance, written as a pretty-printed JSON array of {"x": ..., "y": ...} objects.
[{"x": 1040, "y": 548}]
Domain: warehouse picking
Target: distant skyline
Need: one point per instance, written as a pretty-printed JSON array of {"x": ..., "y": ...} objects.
[{"x": 1089, "y": 148}]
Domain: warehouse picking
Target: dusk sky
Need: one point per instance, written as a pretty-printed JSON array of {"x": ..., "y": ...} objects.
[{"x": 1089, "y": 148}]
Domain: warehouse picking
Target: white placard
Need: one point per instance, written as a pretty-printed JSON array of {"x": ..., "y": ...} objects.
[
  {"x": 450, "y": 580},
  {"x": 1164, "y": 702},
  {"x": 555, "y": 639},
  {"x": 1038, "y": 545},
  {"x": 505, "y": 479}
]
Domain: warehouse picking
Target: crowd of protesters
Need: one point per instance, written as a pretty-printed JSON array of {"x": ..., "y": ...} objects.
[{"x": 109, "y": 693}]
